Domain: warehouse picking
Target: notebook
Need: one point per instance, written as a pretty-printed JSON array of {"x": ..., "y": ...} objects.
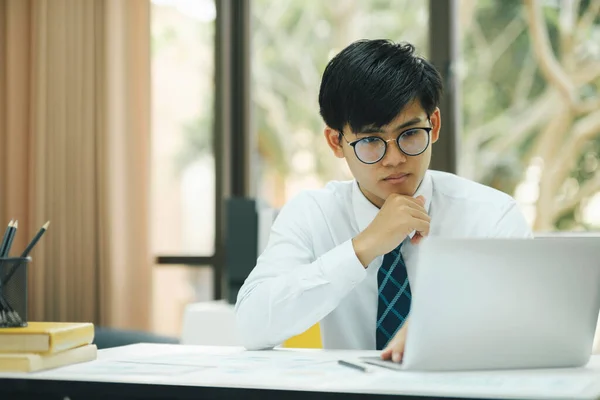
[
  {"x": 45, "y": 337},
  {"x": 30, "y": 362}
]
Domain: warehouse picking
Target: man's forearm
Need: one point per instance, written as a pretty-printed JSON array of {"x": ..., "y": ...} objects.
[{"x": 274, "y": 307}]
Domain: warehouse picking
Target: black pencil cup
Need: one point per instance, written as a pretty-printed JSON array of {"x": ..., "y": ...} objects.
[{"x": 13, "y": 291}]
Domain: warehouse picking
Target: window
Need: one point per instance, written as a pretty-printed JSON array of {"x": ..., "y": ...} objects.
[
  {"x": 292, "y": 42},
  {"x": 531, "y": 106},
  {"x": 183, "y": 168}
]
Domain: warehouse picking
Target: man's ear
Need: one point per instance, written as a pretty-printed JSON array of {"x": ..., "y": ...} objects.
[
  {"x": 436, "y": 124},
  {"x": 334, "y": 141}
]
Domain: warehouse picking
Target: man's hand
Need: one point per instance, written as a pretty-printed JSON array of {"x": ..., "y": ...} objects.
[
  {"x": 395, "y": 348},
  {"x": 398, "y": 217}
]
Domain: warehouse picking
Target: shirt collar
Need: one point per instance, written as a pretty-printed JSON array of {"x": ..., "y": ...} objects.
[{"x": 365, "y": 211}]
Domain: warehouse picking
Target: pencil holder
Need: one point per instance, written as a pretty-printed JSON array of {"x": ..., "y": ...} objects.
[{"x": 13, "y": 291}]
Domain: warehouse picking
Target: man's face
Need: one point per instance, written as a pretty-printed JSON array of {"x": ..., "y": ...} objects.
[{"x": 396, "y": 172}]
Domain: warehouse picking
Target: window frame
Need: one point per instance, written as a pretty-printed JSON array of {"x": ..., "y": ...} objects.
[{"x": 233, "y": 137}]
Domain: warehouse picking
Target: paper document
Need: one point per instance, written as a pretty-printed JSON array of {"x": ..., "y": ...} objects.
[
  {"x": 120, "y": 368},
  {"x": 246, "y": 362},
  {"x": 548, "y": 384}
]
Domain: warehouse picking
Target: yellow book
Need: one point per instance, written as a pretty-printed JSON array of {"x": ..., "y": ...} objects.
[
  {"x": 46, "y": 337},
  {"x": 29, "y": 362}
]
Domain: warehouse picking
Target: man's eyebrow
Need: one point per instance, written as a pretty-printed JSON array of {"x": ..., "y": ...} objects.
[{"x": 373, "y": 129}]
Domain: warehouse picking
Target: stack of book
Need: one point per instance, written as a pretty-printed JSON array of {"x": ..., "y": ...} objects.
[{"x": 45, "y": 345}]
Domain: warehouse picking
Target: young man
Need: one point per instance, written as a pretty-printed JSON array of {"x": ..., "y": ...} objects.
[{"x": 343, "y": 255}]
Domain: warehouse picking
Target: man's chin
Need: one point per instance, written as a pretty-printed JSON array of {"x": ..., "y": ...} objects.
[
  {"x": 398, "y": 193},
  {"x": 404, "y": 190},
  {"x": 379, "y": 193}
]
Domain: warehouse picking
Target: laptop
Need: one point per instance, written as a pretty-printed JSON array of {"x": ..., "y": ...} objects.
[{"x": 481, "y": 304}]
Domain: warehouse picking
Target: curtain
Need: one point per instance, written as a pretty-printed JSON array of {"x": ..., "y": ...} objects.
[{"x": 74, "y": 149}]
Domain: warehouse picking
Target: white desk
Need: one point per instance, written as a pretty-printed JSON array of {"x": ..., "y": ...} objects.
[{"x": 161, "y": 371}]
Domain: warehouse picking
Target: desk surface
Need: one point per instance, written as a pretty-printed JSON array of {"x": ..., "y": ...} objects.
[{"x": 153, "y": 371}]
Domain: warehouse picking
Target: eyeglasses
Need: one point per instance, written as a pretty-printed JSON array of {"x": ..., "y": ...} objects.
[{"x": 372, "y": 149}]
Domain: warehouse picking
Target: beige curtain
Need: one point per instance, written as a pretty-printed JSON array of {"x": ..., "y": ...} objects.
[{"x": 74, "y": 149}]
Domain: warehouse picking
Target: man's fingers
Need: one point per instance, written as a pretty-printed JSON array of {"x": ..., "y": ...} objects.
[
  {"x": 420, "y": 214},
  {"x": 386, "y": 354},
  {"x": 420, "y": 226},
  {"x": 395, "y": 348},
  {"x": 418, "y": 202},
  {"x": 419, "y": 199},
  {"x": 420, "y": 223},
  {"x": 394, "y": 351},
  {"x": 398, "y": 349},
  {"x": 416, "y": 239}
]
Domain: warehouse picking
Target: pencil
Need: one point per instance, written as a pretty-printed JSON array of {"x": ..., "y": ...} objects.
[
  {"x": 11, "y": 237},
  {"x": 27, "y": 250},
  {"x": 36, "y": 238},
  {"x": 5, "y": 237}
]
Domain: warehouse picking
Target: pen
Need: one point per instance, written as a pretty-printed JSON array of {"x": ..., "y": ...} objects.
[{"x": 353, "y": 365}]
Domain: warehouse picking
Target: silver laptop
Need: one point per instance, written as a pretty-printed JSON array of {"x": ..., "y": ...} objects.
[{"x": 503, "y": 303}]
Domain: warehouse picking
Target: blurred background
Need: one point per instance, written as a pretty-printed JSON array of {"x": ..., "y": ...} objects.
[{"x": 130, "y": 124}]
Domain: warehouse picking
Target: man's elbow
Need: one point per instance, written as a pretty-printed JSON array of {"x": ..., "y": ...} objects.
[
  {"x": 251, "y": 331},
  {"x": 255, "y": 343},
  {"x": 251, "y": 326}
]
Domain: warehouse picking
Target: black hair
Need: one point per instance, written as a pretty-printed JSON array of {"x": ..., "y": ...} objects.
[{"x": 370, "y": 82}]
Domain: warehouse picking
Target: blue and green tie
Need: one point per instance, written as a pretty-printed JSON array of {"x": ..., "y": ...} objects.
[{"x": 394, "y": 297}]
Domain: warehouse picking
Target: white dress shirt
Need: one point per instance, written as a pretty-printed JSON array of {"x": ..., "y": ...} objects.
[{"x": 309, "y": 272}]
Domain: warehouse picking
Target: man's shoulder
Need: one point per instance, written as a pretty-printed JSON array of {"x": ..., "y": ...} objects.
[
  {"x": 465, "y": 191},
  {"x": 476, "y": 209}
]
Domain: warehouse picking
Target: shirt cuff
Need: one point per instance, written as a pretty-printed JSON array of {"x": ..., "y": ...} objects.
[{"x": 342, "y": 267}]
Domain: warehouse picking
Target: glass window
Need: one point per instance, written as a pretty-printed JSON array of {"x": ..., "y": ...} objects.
[
  {"x": 174, "y": 287},
  {"x": 183, "y": 171},
  {"x": 292, "y": 42},
  {"x": 531, "y": 106}
]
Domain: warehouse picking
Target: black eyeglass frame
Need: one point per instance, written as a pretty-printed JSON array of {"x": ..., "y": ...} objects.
[{"x": 385, "y": 142}]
